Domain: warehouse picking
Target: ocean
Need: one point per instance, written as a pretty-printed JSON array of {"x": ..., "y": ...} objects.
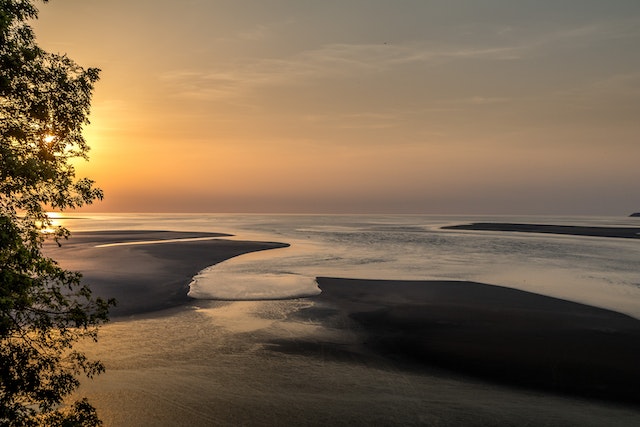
[{"x": 603, "y": 272}]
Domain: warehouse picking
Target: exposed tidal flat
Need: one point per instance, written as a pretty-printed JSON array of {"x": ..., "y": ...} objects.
[{"x": 362, "y": 352}]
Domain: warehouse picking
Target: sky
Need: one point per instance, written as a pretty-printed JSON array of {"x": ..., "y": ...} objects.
[{"x": 354, "y": 106}]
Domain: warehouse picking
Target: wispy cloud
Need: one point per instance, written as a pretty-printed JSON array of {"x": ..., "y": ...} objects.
[
  {"x": 579, "y": 35},
  {"x": 344, "y": 61},
  {"x": 362, "y": 120},
  {"x": 255, "y": 33},
  {"x": 614, "y": 90},
  {"x": 606, "y": 30},
  {"x": 329, "y": 61},
  {"x": 259, "y": 32},
  {"x": 481, "y": 100}
]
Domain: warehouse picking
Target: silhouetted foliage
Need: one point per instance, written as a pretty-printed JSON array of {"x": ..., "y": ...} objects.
[{"x": 44, "y": 309}]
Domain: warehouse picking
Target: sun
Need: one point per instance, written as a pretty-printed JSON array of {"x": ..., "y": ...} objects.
[{"x": 49, "y": 138}]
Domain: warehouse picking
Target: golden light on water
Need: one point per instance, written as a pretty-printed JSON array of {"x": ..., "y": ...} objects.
[{"x": 54, "y": 222}]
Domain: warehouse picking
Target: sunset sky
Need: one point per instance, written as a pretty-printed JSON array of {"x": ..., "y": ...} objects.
[{"x": 367, "y": 106}]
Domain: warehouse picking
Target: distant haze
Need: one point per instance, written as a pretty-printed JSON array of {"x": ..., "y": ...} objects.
[{"x": 441, "y": 106}]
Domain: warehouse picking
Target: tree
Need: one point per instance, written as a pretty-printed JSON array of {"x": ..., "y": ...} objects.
[{"x": 44, "y": 309}]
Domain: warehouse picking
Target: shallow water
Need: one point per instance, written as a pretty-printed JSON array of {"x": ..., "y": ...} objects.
[
  {"x": 604, "y": 272},
  {"x": 218, "y": 364}
]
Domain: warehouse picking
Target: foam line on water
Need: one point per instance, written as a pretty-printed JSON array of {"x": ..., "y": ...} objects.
[{"x": 243, "y": 287}]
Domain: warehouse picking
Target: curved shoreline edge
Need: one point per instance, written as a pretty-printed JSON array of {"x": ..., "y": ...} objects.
[{"x": 144, "y": 278}]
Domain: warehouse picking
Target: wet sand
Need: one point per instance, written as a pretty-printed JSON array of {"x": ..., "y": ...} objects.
[
  {"x": 495, "y": 333},
  {"x": 363, "y": 352}
]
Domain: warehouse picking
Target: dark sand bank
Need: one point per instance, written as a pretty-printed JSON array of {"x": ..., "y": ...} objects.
[
  {"x": 145, "y": 277},
  {"x": 618, "y": 232},
  {"x": 494, "y": 333}
]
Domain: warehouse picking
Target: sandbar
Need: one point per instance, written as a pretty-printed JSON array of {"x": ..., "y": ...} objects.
[
  {"x": 495, "y": 333},
  {"x": 146, "y": 277},
  {"x": 573, "y": 230}
]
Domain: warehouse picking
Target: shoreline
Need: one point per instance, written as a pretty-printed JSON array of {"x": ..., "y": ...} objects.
[{"x": 493, "y": 333}]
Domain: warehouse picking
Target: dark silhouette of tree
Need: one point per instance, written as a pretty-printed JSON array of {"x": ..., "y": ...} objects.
[{"x": 44, "y": 309}]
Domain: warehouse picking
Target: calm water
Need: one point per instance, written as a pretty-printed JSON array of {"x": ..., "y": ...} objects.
[{"x": 598, "y": 271}]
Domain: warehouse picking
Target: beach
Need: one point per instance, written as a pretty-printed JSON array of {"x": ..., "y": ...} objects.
[{"x": 362, "y": 352}]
